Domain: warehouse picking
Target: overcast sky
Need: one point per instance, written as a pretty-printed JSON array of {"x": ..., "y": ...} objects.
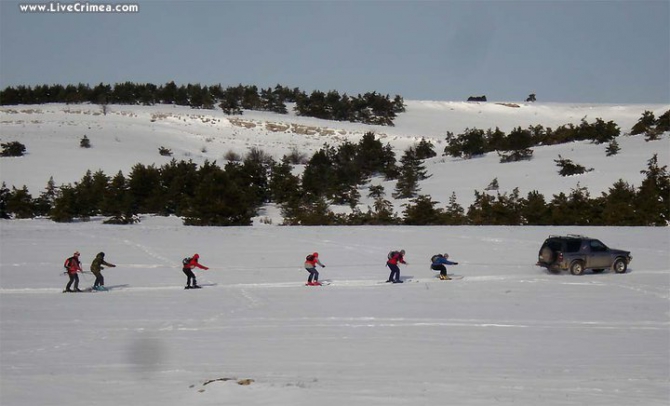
[{"x": 563, "y": 51}]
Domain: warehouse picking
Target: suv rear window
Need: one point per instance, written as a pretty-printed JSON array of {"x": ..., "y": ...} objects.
[
  {"x": 573, "y": 245},
  {"x": 555, "y": 245}
]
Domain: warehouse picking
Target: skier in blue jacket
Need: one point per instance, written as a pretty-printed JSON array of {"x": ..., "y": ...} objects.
[{"x": 438, "y": 263}]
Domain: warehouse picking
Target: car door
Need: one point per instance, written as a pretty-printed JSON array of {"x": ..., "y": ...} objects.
[{"x": 599, "y": 256}]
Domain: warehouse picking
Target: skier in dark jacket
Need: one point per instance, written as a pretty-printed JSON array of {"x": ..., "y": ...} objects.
[
  {"x": 189, "y": 265},
  {"x": 96, "y": 268},
  {"x": 395, "y": 257},
  {"x": 438, "y": 263},
  {"x": 72, "y": 266}
]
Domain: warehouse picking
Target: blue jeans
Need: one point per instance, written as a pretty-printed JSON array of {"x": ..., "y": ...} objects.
[{"x": 313, "y": 274}]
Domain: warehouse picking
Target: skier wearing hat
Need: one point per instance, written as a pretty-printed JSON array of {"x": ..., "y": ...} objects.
[
  {"x": 438, "y": 263},
  {"x": 96, "y": 268},
  {"x": 72, "y": 266},
  {"x": 394, "y": 258},
  {"x": 311, "y": 261},
  {"x": 189, "y": 264}
]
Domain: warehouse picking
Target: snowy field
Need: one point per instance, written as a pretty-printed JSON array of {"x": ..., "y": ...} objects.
[{"x": 507, "y": 333}]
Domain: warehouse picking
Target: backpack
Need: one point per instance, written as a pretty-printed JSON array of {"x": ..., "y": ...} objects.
[
  {"x": 392, "y": 254},
  {"x": 186, "y": 261},
  {"x": 435, "y": 257},
  {"x": 309, "y": 257}
]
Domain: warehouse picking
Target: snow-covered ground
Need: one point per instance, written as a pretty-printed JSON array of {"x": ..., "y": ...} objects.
[{"x": 507, "y": 333}]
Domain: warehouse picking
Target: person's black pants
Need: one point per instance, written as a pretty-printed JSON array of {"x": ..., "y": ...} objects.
[
  {"x": 189, "y": 276},
  {"x": 441, "y": 268},
  {"x": 99, "y": 279},
  {"x": 395, "y": 273},
  {"x": 74, "y": 278}
]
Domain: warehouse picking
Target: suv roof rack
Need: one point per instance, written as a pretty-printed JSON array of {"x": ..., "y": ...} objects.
[{"x": 567, "y": 236}]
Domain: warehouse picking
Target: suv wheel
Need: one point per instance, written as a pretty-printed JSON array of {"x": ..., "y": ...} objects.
[
  {"x": 577, "y": 268},
  {"x": 620, "y": 266}
]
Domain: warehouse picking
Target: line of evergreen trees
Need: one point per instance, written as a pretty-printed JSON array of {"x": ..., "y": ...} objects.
[
  {"x": 517, "y": 144},
  {"x": 369, "y": 108},
  {"x": 205, "y": 195},
  {"x": 232, "y": 195}
]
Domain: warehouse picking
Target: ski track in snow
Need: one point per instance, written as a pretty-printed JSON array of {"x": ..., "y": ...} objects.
[{"x": 244, "y": 288}]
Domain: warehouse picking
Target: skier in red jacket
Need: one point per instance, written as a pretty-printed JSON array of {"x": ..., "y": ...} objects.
[
  {"x": 72, "y": 266},
  {"x": 395, "y": 257},
  {"x": 311, "y": 261},
  {"x": 189, "y": 264}
]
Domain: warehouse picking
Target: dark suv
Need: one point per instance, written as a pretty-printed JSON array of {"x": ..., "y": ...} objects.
[{"x": 578, "y": 253}]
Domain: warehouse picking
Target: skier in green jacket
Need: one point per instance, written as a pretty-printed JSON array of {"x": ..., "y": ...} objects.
[{"x": 96, "y": 268}]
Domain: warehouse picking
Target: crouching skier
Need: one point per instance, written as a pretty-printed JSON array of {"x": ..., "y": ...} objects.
[
  {"x": 438, "y": 263},
  {"x": 311, "y": 261},
  {"x": 189, "y": 264}
]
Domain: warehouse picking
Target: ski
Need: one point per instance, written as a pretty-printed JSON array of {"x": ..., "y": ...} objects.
[
  {"x": 87, "y": 290},
  {"x": 452, "y": 277}
]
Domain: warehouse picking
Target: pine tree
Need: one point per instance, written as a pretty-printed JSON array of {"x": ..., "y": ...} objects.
[
  {"x": 283, "y": 185},
  {"x": 45, "y": 202},
  {"x": 645, "y": 124},
  {"x": 118, "y": 202},
  {"x": 13, "y": 148},
  {"x": 480, "y": 211},
  {"x": 454, "y": 214},
  {"x": 376, "y": 191},
  {"x": 422, "y": 211},
  {"x": 65, "y": 205},
  {"x": 569, "y": 168},
  {"x": 309, "y": 212},
  {"x": 383, "y": 212},
  {"x": 534, "y": 210},
  {"x": 372, "y": 157},
  {"x": 218, "y": 199},
  {"x": 471, "y": 143},
  {"x": 20, "y": 203},
  {"x": 4, "y": 197},
  {"x": 517, "y": 146},
  {"x": 319, "y": 175},
  {"x": 144, "y": 186},
  {"x": 653, "y": 197},
  {"x": 411, "y": 172},
  {"x": 85, "y": 142},
  {"x": 493, "y": 185},
  {"x": 506, "y": 209},
  {"x": 619, "y": 205},
  {"x": 663, "y": 123},
  {"x": 612, "y": 148},
  {"x": 424, "y": 149}
]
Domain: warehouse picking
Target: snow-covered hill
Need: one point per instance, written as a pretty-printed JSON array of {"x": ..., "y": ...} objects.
[
  {"x": 508, "y": 333},
  {"x": 127, "y": 135}
]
